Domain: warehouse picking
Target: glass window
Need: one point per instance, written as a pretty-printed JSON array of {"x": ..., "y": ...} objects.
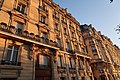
[
  {"x": 80, "y": 64},
  {"x": 76, "y": 47},
  {"x": 43, "y": 60},
  {"x": 91, "y": 41},
  {"x": 43, "y": 34},
  {"x": 56, "y": 27},
  {"x": 93, "y": 48},
  {"x": 71, "y": 63},
  {"x": 59, "y": 61},
  {"x": 19, "y": 26},
  {"x": 21, "y": 8},
  {"x": 58, "y": 42},
  {"x": 1, "y": 3},
  {"x": 65, "y": 31},
  {"x": 67, "y": 46},
  {"x": 12, "y": 53},
  {"x": 43, "y": 19},
  {"x": 83, "y": 50}
]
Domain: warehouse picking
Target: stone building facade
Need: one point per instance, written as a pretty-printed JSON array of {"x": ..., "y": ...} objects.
[
  {"x": 39, "y": 40},
  {"x": 105, "y": 61}
]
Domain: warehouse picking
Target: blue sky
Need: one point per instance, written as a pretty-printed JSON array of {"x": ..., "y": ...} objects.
[{"x": 102, "y": 14}]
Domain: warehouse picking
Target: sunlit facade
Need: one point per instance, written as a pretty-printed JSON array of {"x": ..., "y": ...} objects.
[
  {"x": 39, "y": 40},
  {"x": 105, "y": 61}
]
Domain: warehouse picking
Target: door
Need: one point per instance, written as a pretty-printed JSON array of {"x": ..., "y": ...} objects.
[{"x": 43, "y": 67}]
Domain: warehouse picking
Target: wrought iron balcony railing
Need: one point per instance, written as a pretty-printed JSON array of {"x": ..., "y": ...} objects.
[{"x": 26, "y": 34}]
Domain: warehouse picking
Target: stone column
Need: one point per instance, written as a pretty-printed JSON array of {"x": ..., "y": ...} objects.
[{"x": 54, "y": 67}]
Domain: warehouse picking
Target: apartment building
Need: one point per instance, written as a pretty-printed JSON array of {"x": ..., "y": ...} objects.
[
  {"x": 105, "y": 60},
  {"x": 39, "y": 40}
]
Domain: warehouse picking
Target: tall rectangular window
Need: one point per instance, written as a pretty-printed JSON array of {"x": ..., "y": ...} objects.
[
  {"x": 71, "y": 63},
  {"x": 56, "y": 27},
  {"x": 58, "y": 42},
  {"x": 43, "y": 19},
  {"x": 21, "y": 8},
  {"x": 67, "y": 46},
  {"x": 59, "y": 61},
  {"x": 19, "y": 28},
  {"x": 12, "y": 53},
  {"x": 80, "y": 62},
  {"x": 1, "y": 3},
  {"x": 65, "y": 31}
]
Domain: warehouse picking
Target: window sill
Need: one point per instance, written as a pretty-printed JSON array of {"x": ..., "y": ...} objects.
[{"x": 11, "y": 67}]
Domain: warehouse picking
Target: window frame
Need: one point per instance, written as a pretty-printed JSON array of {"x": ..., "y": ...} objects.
[
  {"x": 20, "y": 5},
  {"x": 1, "y": 3},
  {"x": 47, "y": 60},
  {"x": 12, "y": 53}
]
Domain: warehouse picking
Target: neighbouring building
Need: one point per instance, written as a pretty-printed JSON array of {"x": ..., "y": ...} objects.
[
  {"x": 39, "y": 40},
  {"x": 105, "y": 56}
]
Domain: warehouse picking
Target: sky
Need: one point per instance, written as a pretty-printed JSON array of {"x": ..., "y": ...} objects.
[{"x": 102, "y": 14}]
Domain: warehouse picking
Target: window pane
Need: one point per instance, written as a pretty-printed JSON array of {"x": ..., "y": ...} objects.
[
  {"x": 43, "y": 60},
  {"x": 58, "y": 42},
  {"x": 8, "y": 57},
  {"x": 69, "y": 63},
  {"x": 19, "y": 26},
  {"x": 73, "y": 63},
  {"x": 59, "y": 61},
  {"x": 12, "y": 53},
  {"x": 14, "y": 57}
]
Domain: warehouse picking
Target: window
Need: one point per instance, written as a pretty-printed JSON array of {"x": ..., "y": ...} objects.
[
  {"x": 21, "y": 8},
  {"x": 91, "y": 41},
  {"x": 83, "y": 50},
  {"x": 67, "y": 46},
  {"x": 80, "y": 62},
  {"x": 65, "y": 31},
  {"x": 58, "y": 42},
  {"x": 1, "y": 3},
  {"x": 87, "y": 34},
  {"x": 19, "y": 27},
  {"x": 43, "y": 34},
  {"x": 56, "y": 27},
  {"x": 76, "y": 47},
  {"x": 73, "y": 35},
  {"x": 59, "y": 61},
  {"x": 93, "y": 49},
  {"x": 71, "y": 63},
  {"x": 43, "y": 19},
  {"x": 43, "y": 61},
  {"x": 12, "y": 53}
]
